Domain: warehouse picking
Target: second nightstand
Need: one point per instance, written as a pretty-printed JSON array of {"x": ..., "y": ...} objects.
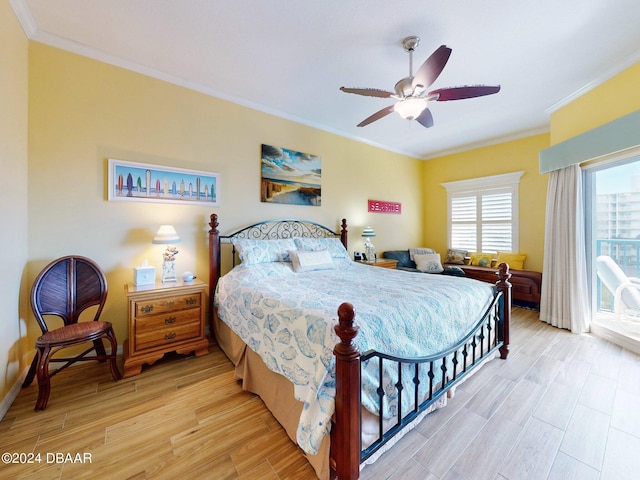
[
  {"x": 164, "y": 318},
  {"x": 382, "y": 262}
]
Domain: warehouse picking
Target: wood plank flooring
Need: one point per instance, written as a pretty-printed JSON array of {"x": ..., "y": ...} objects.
[{"x": 562, "y": 407}]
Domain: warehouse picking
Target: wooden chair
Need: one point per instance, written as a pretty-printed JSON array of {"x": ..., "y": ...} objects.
[{"x": 65, "y": 288}]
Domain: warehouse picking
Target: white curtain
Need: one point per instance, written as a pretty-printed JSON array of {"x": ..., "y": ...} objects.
[{"x": 565, "y": 301}]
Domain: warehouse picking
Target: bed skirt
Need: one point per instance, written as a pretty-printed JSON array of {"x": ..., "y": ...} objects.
[{"x": 275, "y": 391}]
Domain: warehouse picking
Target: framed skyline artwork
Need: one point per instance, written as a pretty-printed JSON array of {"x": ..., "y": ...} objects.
[
  {"x": 142, "y": 182},
  {"x": 290, "y": 177}
]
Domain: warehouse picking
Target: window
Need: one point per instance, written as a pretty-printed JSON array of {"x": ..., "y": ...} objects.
[{"x": 483, "y": 213}]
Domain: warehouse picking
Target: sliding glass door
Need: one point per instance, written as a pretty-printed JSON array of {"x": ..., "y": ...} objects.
[{"x": 612, "y": 201}]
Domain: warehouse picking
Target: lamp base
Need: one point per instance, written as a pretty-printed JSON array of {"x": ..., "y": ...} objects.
[
  {"x": 169, "y": 271},
  {"x": 369, "y": 251}
]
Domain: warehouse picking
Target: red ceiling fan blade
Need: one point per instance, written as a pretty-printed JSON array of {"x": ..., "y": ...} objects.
[
  {"x": 460, "y": 93},
  {"x": 368, "y": 92},
  {"x": 432, "y": 67},
  {"x": 376, "y": 116},
  {"x": 425, "y": 118}
]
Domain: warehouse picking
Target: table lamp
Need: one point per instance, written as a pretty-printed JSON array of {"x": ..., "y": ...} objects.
[
  {"x": 369, "y": 249},
  {"x": 167, "y": 235}
]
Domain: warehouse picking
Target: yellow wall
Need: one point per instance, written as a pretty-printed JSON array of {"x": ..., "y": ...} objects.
[
  {"x": 13, "y": 197},
  {"x": 83, "y": 112},
  {"x": 613, "y": 99},
  {"x": 506, "y": 157}
]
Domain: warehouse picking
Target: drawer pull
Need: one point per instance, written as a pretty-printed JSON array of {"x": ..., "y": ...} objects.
[
  {"x": 146, "y": 308},
  {"x": 170, "y": 336},
  {"x": 170, "y": 320},
  {"x": 170, "y": 303},
  {"x": 191, "y": 301}
]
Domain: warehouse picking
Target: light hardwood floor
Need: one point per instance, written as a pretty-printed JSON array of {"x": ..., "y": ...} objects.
[{"x": 562, "y": 407}]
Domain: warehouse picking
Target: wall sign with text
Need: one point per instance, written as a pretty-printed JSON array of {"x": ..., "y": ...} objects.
[{"x": 379, "y": 206}]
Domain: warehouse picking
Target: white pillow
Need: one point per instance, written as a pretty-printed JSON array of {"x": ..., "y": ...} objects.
[
  {"x": 306, "y": 261},
  {"x": 428, "y": 262}
]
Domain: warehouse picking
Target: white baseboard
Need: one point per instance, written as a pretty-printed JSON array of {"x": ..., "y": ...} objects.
[{"x": 11, "y": 396}]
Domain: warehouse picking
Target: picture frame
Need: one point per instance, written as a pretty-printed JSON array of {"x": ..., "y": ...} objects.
[
  {"x": 290, "y": 177},
  {"x": 143, "y": 182}
]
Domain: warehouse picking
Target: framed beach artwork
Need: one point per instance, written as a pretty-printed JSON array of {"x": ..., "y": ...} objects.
[
  {"x": 290, "y": 177},
  {"x": 142, "y": 182}
]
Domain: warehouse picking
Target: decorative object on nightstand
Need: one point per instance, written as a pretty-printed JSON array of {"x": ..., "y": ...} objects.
[
  {"x": 369, "y": 249},
  {"x": 168, "y": 236},
  {"x": 164, "y": 318},
  {"x": 144, "y": 274}
]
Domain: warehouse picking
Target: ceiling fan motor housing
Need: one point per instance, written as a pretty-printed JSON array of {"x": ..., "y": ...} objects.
[{"x": 404, "y": 87}]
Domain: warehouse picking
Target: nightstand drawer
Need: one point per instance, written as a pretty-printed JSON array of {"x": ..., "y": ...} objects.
[
  {"x": 168, "y": 304},
  {"x": 167, "y": 336},
  {"x": 166, "y": 320}
]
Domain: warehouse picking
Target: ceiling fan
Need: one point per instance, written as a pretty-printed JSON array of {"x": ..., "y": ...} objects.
[{"x": 411, "y": 92}]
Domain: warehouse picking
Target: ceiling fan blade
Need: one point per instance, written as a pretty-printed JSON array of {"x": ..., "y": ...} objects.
[
  {"x": 368, "y": 92},
  {"x": 460, "y": 93},
  {"x": 432, "y": 67},
  {"x": 376, "y": 116},
  {"x": 425, "y": 118}
]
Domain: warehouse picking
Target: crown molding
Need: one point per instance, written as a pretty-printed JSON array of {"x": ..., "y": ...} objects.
[
  {"x": 24, "y": 17},
  {"x": 599, "y": 80}
]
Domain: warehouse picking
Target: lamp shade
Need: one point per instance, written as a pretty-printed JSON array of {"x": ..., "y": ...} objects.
[
  {"x": 410, "y": 108},
  {"x": 368, "y": 232},
  {"x": 166, "y": 234}
]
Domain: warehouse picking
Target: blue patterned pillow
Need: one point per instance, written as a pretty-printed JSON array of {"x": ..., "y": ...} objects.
[
  {"x": 334, "y": 245},
  {"x": 252, "y": 252}
]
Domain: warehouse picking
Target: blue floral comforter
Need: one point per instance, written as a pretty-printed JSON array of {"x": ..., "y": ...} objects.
[{"x": 288, "y": 318}]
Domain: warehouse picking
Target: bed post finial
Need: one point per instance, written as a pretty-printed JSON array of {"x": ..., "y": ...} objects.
[
  {"x": 214, "y": 264},
  {"x": 346, "y": 430},
  {"x": 504, "y": 286},
  {"x": 343, "y": 232},
  {"x": 213, "y": 223}
]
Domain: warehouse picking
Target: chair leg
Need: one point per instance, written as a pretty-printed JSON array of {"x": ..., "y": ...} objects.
[
  {"x": 44, "y": 381},
  {"x": 115, "y": 372},
  {"x": 32, "y": 372},
  {"x": 100, "y": 351}
]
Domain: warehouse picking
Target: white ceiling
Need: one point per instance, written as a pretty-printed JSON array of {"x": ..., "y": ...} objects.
[{"x": 290, "y": 57}]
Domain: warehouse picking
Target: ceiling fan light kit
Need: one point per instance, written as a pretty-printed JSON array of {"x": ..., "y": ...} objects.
[
  {"x": 411, "y": 92},
  {"x": 410, "y": 108}
]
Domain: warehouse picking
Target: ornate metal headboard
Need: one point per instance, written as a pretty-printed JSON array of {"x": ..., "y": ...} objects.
[
  {"x": 270, "y": 229},
  {"x": 283, "y": 228}
]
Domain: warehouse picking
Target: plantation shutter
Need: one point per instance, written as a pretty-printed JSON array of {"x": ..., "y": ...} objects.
[{"x": 483, "y": 215}]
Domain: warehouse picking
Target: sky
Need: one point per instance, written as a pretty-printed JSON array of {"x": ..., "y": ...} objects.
[{"x": 622, "y": 179}]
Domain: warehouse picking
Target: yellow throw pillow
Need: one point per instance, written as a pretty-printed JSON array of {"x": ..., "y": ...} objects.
[
  {"x": 481, "y": 259},
  {"x": 514, "y": 260}
]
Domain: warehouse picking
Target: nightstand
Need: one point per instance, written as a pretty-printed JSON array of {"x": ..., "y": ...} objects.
[
  {"x": 164, "y": 318},
  {"x": 381, "y": 262}
]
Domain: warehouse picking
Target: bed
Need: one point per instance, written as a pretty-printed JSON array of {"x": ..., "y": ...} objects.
[{"x": 345, "y": 388}]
